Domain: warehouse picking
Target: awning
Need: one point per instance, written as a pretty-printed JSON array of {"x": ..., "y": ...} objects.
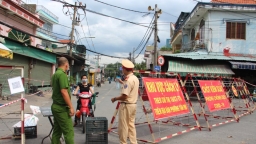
[
  {"x": 243, "y": 65},
  {"x": 30, "y": 51},
  {"x": 45, "y": 36},
  {"x": 189, "y": 67},
  {"x": 5, "y": 52}
]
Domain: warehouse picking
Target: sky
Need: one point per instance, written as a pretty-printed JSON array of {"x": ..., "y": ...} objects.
[{"x": 114, "y": 37}]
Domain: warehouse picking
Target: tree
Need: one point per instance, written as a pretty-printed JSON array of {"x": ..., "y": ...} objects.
[
  {"x": 165, "y": 49},
  {"x": 140, "y": 66}
]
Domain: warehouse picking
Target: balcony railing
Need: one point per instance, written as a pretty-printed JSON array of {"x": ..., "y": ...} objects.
[
  {"x": 40, "y": 7},
  {"x": 47, "y": 32},
  {"x": 194, "y": 44}
]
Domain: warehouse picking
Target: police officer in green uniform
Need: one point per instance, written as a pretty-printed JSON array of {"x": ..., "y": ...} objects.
[{"x": 62, "y": 108}]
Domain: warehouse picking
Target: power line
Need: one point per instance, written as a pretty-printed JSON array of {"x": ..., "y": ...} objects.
[
  {"x": 107, "y": 55},
  {"x": 169, "y": 14},
  {"x": 89, "y": 31},
  {"x": 121, "y": 7},
  {"x": 145, "y": 44},
  {"x": 64, "y": 26},
  {"x": 83, "y": 7},
  {"x": 115, "y": 18},
  {"x": 145, "y": 35},
  {"x": 29, "y": 33},
  {"x": 85, "y": 37}
]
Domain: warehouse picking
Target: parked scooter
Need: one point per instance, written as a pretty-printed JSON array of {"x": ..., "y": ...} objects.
[{"x": 87, "y": 100}]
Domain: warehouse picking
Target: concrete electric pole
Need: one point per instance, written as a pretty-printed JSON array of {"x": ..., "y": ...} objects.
[
  {"x": 157, "y": 13},
  {"x": 73, "y": 30},
  {"x": 133, "y": 55},
  {"x": 98, "y": 61}
]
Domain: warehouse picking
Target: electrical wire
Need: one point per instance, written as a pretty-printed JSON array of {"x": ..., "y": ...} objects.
[
  {"x": 169, "y": 14},
  {"x": 107, "y": 55},
  {"x": 145, "y": 35},
  {"x": 89, "y": 32},
  {"x": 85, "y": 37},
  {"x": 29, "y": 33},
  {"x": 91, "y": 11},
  {"x": 64, "y": 26},
  {"x": 53, "y": 32},
  {"x": 120, "y": 7},
  {"x": 145, "y": 44}
]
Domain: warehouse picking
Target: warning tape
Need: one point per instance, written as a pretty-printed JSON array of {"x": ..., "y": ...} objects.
[
  {"x": 12, "y": 102},
  {"x": 249, "y": 83},
  {"x": 49, "y": 90}
]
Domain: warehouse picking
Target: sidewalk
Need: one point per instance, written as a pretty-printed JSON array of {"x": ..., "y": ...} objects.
[{"x": 9, "y": 115}]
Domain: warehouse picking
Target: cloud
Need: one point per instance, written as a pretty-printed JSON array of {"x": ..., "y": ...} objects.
[{"x": 114, "y": 37}]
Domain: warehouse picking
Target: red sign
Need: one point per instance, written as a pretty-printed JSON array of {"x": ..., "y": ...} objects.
[
  {"x": 160, "y": 60},
  {"x": 166, "y": 97},
  {"x": 214, "y": 95}
]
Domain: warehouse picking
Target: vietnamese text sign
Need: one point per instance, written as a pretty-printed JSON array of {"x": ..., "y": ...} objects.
[
  {"x": 214, "y": 95},
  {"x": 16, "y": 85},
  {"x": 166, "y": 97}
]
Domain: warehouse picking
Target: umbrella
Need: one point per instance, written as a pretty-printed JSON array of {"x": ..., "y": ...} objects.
[{"x": 5, "y": 52}]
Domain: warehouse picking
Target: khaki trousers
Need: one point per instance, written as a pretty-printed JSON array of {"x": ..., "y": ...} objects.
[{"x": 126, "y": 123}]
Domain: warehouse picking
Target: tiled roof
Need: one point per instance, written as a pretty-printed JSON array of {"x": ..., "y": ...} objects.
[
  {"x": 65, "y": 41},
  {"x": 235, "y": 1}
]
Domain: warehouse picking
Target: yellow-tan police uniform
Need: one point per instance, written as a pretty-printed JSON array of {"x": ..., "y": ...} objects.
[{"x": 127, "y": 110}]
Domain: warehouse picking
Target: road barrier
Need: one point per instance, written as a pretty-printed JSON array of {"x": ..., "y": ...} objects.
[{"x": 169, "y": 106}]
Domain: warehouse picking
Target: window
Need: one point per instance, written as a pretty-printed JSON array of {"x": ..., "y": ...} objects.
[
  {"x": 193, "y": 34},
  {"x": 235, "y": 30},
  {"x": 202, "y": 30}
]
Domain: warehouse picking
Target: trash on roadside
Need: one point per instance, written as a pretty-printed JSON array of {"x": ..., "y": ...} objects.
[
  {"x": 35, "y": 109},
  {"x": 30, "y": 120}
]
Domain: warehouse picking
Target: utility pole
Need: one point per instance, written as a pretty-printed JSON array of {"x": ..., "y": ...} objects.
[
  {"x": 97, "y": 59},
  {"x": 133, "y": 55},
  {"x": 73, "y": 29},
  {"x": 75, "y": 21},
  {"x": 130, "y": 56},
  {"x": 157, "y": 12},
  {"x": 155, "y": 38}
]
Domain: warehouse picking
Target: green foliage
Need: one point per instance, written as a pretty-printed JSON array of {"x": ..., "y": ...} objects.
[
  {"x": 112, "y": 70},
  {"x": 140, "y": 66},
  {"x": 177, "y": 51},
  {"x": 165, "y": 49}
]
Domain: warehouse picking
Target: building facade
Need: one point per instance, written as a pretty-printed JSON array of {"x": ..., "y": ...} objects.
[
  {"x": 46, "y": 31},
  {"x": 216, "y": 38},
  {"x": 18, "y": 26}
]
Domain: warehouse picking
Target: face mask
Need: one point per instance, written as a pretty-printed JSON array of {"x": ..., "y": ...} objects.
[{"x": 84, "y": 80}]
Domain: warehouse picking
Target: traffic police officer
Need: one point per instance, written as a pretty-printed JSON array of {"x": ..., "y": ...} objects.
[
  {"x": 127, "y": 109},
  {"x": 62, "y": 108}
]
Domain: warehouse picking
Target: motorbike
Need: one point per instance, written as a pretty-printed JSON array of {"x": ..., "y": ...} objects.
[
  {"x": 98, "y": 84},
  {"x": 87, "y": 100}
]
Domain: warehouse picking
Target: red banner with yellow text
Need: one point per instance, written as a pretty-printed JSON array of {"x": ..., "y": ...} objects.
[
  {"x": 214, "y": 95},
  {"x": 166, "y": 97}
]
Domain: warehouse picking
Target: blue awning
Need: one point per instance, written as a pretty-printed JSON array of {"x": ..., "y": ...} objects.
[
  {"x": 243, "y": 65},
  {"x": 45, "y": 36}
]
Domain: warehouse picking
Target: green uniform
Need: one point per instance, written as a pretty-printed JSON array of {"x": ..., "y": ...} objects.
[{"x": 60, "y": 110}]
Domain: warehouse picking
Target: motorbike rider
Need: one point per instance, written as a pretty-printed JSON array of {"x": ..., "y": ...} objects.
[{"x": 83, "y": 87}]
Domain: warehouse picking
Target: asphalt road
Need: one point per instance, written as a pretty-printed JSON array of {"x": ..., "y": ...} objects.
[{"x": 232, "y": 133}]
